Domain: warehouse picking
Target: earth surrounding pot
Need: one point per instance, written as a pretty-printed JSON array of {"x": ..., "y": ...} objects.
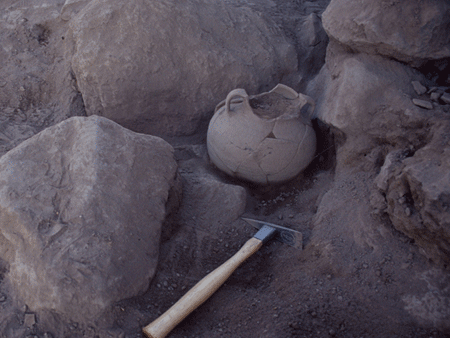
[{"x": 266, "y": 138}]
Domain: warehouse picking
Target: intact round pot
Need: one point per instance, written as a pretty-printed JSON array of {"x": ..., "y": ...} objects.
[{"x": 265, "y": 138}]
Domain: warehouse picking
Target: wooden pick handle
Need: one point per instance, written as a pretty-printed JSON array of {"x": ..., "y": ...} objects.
[{"x": 200, "y": 292}]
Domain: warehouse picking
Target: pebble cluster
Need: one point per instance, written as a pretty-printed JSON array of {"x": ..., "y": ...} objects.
[
  {"x": 432, "y": 97},
  {"x": 278, "y": 199}
]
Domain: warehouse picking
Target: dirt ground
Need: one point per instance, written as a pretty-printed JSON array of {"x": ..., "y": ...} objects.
[
  {"x": 350, "y": 280},
  {"x": 355, "y": 277}
]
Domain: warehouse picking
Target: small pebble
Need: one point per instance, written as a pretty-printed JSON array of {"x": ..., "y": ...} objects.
[
  {"x": 435, "y": 96},
  {"x": 405, "y": 265},
  {"x": 446, "y": 98},
  {"x": 29, "y": 320},
  {"x": 419, "y": 88},
  {"x": 295, "y": 326},
  {"x": 332, "y": 333},
  {"x": 408, "y": 212},
  {"x": 280, "y": 217},
  {"x": 2, "y": 298},
  {"x": 423, "y": 103},
  {"x": 378, "y": 273}
]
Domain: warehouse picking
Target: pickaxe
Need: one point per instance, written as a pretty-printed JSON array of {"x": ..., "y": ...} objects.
[{"x": 211, "y": 282}]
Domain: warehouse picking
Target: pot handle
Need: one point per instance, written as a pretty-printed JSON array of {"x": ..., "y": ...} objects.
[{"x": 237, "y": 92}]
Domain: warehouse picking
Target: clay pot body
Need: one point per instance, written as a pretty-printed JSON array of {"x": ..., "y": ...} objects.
[{"x": 265, "y": 138}]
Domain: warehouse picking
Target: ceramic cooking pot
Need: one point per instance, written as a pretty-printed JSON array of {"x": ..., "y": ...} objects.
[{"x": 265, "y": 138}]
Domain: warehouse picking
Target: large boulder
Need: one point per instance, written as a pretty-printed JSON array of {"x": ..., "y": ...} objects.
[
  {"x": 37, "y": 89},
  {"x": 411, "y": 31},
  {"x": 369, "y": 99},
  {"x": 160, "y": 67},
  {"x": 81, "y": 209},
  {"x": 373, "y": 105}
]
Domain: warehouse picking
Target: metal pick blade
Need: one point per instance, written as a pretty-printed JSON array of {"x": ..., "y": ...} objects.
[{"x": 284, "y": 235}]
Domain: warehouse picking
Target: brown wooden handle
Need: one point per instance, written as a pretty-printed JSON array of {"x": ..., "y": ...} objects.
[{"x": 200, "y": 292}]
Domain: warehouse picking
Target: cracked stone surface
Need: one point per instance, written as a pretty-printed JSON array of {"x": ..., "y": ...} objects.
[{"x": 81, "y": 209}]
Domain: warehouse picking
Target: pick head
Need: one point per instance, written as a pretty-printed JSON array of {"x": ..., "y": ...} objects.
[{"x": 282, "y": 234}]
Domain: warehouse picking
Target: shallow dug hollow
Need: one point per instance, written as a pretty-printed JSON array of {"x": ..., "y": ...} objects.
[{"x": 356, "y": 277}]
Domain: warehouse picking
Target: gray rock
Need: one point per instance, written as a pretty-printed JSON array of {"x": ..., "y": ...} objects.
[
  {"x": 407, "y": 31},
  {"x": 419, "y": 88},
  {"x": 392, "y": 162},
  {"x": 366, "y": 97},
  {"x": 313, "y": 40},
  {"x": 418, "y": 195},
  {"x": 446, "y": 98},
  {"x": 435, "y": 96},
  {"x": 81, "y": 208},
  {"x": 363, "y": 96},
  {"x": 37, "y": 88},
  {"x": 160, "y": 67},
  {"x": 71, "y": 8},
  {"x": 29, "y": 320},
  {"x": 423, "y": 103}
]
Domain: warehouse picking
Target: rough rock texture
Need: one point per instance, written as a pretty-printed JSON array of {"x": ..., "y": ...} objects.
[
  {"x": 160, "y": 67},
  {"x": 81, "y": 208},
  {"x": 417, "y": 190},
  {"x": 312, "y": 42},
  {"x": 391, "y": 134},
  {"x": 368, "y": 99},
  {"x": 410, "y": 32},
  {"x": 71, "y": 8},
  {"x": 37, "y": 87}
]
